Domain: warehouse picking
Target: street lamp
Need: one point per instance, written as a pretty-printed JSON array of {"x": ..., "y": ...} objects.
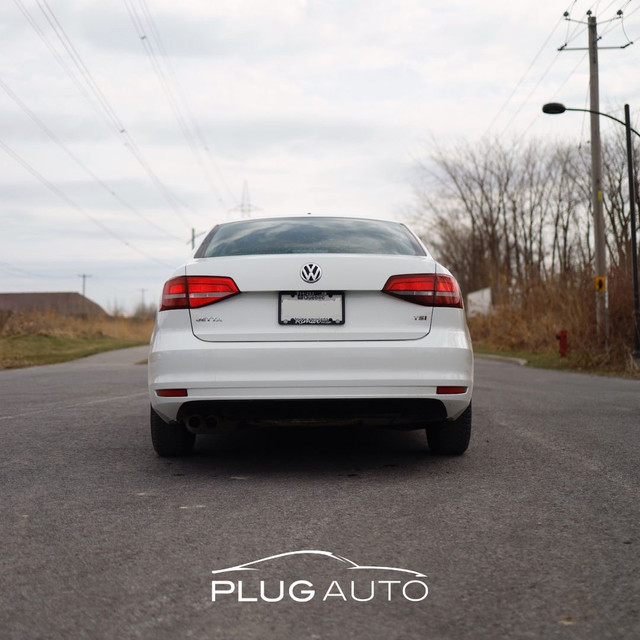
[{"x": 557, "y": 107}]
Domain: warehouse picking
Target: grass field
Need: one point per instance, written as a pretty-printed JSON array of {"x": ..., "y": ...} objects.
[{"x": 33, "y": 338}]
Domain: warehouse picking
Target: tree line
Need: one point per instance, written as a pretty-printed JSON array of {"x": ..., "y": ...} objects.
[{"x": 510, "y": 215}]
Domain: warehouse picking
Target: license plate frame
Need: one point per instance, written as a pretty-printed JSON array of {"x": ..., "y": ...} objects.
[{"x": 311, "y": 308}]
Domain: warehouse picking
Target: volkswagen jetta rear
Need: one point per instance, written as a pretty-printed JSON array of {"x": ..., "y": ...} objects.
[{"x": 309, "y": 320}]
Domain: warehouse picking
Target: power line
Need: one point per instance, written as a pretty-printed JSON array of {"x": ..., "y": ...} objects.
[
  {"x": 526, "y": 73},
  {"x": 176, "y": 80},
  {"x": 562, "y": 84},
  {"x": 531, "y": 92},
  {"x": 522, "y": 78},
  {"x": 629, "y": 40},
  {"x": 609, "y": 23},
  {"x": 581, "y": 26},
  {"x": 144, "y": 24},
  {"x": 80, "y": 66},
  {"x": 108, "y": 110},
  {"x": 59, "y": 59},
  {"x": 91, "y": 91},
  {"x": 23, "y": 273},
  {"x": 63, "y": 196},
  {"x": 79, "y": 162}
]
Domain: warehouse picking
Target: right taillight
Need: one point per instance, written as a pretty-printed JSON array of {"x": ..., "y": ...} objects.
[
  {"x": 426, "y": 289},
  {"x": 190, "y": 292}
]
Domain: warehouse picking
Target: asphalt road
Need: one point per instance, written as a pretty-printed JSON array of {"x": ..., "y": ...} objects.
[{"x": 532, "y": 534}]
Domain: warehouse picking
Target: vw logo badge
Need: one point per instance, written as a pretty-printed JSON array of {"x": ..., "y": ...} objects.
[{"x": 311, "y": 273}]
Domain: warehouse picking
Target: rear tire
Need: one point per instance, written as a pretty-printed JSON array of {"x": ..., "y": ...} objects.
[
  {"x": 450, "y": 438},
  {"x": 170, "y": 439}
]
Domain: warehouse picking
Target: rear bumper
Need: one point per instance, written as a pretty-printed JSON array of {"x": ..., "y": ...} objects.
[{"x": 296, "y": 371}]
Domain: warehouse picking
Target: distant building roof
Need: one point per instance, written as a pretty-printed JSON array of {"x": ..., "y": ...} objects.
[{"x": 67, "y": 303}]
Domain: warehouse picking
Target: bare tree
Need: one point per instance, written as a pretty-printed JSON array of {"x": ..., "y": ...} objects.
[{"x": 507, "y": 216}]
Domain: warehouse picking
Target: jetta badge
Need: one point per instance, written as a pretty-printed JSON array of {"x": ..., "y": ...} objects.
[{"x": 311, "y": 273}]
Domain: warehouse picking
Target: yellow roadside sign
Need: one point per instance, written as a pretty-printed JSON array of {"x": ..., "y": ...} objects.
[{"x": 601, "y": 283}]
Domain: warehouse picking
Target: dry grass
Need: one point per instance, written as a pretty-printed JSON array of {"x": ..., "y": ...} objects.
[
  {"x": 32, "y": 338},
  {"x": 52, "y": 324},
  {"x": 532, "y": 319}
]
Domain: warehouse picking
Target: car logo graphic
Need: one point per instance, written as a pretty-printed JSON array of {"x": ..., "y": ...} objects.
[
  {"x": 349, "y": 564},
  {"x": 311, "y": 273}
]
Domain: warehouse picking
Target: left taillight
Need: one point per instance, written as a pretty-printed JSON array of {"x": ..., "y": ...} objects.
[
  {"x": 191, "y": 292},
  {"x": 426, "y": 289}
]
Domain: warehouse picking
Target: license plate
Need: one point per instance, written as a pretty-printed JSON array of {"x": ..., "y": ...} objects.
[{"x": 311, "y": 307}]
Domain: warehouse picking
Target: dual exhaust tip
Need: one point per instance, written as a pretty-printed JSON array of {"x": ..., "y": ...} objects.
[{"x": 198, "y": 423}]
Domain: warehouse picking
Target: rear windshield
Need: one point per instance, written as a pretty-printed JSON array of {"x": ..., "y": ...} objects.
[{"x": 309, "y": 235}]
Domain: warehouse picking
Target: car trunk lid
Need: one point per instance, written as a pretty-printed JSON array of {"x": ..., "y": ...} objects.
[{"x": 310, "y": 297}]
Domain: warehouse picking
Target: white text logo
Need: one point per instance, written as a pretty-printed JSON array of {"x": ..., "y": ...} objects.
[{"x": 338, "y": 579}]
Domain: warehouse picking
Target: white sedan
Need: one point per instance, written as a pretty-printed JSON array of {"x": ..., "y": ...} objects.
[{"x": 311, "y": 320}]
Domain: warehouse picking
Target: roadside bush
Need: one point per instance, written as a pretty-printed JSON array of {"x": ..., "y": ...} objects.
[{"x": 530, "y": 319}]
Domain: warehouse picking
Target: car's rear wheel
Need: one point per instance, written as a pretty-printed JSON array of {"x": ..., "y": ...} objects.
[
  {"x": 450, "y": 438},
  {"x": 170, "y": 439}
]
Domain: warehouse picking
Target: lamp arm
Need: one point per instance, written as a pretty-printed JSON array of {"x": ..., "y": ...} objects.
[{"x": 606, "y": 115}]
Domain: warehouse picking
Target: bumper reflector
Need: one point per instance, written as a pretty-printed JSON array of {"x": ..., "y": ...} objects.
[
  {"x": 171, "y": 393},
  {"x": 451, "y": 390}
]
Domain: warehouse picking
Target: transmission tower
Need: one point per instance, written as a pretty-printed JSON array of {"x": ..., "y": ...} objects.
[{"x": 245, "y": 208}]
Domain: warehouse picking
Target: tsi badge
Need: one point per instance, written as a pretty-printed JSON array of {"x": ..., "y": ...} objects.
[{"x": 316, "y": 575}]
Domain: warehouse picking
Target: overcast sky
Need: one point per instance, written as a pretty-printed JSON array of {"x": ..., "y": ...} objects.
[{"x": 125, "y": 124}]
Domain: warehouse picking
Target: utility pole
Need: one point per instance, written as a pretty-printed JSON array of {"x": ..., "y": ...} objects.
[
  {"x": 634, "y": 241},
  {"x": 600, "y": 257},
  {"x": 84, "y": 277},
  {"x": 195, "y": 235},
  {"x": 602, "y": 307},
  {"x": 600, "y": 248}
]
